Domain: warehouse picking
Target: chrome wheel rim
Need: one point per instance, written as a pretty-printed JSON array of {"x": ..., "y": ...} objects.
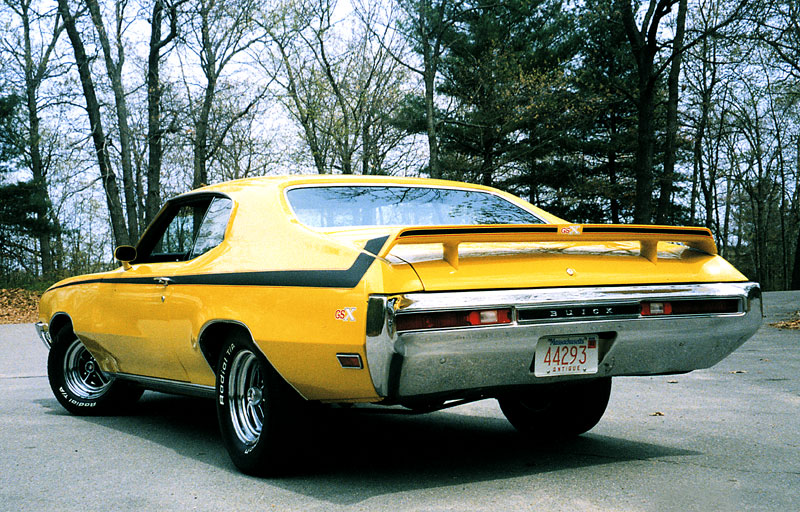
[
  {"x": 246, "y": 397},
  {"x": 82, "y": 375}
]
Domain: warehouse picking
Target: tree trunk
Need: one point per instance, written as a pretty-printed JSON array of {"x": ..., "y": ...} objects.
[
  {"x": 644, "y": 46},
  {"x": 612, "y": 179},
  {"x": 303, "y": 115},
  {"x": 201, "y": 136},
  {"x": 796, "y": 267},
  {"x": 430, "y": 61},
  {"x": 796, "y": 271},
  {"x": 430, "y": 120},
  {"x": 643, "y": 167},
  {"x": 154, "y": 133},
  {"x": 34, "y": 75},
  {"x": 43, "y": 197},
  {"x": 114, "y": 70},
  {"x": 95, "y": 123},
  {"x": 209, "y": 67},
  {"x": 487, "y": 165},
  {"x": 664, "y": 212},
  {"x": 366, "y": 146}
]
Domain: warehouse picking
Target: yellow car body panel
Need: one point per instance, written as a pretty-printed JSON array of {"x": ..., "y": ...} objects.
[{"x": 265, "y": 276}]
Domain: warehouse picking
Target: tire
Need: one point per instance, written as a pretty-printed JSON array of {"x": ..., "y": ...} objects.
[
  {"x": 256, "y": 409},
  {"x": 78, "y": 383},
  {"x": 561, "y": 410}
]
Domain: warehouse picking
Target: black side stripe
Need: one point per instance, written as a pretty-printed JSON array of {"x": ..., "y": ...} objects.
[{"x": 347, "y": 278}]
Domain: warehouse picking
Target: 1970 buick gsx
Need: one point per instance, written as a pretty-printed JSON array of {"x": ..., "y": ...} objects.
[{"x": 268, "y": 293}]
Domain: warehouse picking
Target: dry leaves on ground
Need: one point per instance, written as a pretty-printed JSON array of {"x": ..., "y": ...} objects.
[
  {"x": 18, "y": 306},
  {"x": 792, "y": 323}
]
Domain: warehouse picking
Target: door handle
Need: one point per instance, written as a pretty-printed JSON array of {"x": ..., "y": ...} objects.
[{"x": 163, "y": 280}]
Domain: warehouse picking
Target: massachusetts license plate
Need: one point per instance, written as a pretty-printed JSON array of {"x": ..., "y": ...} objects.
[{"x": 566, "y": 355}]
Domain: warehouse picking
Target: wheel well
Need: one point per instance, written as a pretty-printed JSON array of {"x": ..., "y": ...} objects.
[
  {"x": 213, "y": 336},
  {"x": 57, "y": 323}
]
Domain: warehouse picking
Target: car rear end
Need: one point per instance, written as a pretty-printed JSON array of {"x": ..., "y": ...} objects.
[{"x": 505, "y": 308}]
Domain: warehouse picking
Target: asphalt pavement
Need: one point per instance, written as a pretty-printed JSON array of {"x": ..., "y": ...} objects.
[{"x": 726, "y": 438}]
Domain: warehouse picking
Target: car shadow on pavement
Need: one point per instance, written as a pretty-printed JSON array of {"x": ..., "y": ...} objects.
[{"x": 349, "y": 455}]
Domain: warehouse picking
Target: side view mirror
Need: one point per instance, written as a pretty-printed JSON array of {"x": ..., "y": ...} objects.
[{"x": 125, "y": 254}]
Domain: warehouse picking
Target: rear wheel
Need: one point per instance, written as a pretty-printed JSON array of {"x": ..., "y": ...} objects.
[
  {"x": 79, "y": 384},
  {"x": 255, "y": 409},
  {"x": 562, "y": 410}
]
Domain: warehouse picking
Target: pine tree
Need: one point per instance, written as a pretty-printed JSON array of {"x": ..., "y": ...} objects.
[
  {"x": 606, "y": 125},
  {"x": 503, "y": 72}
]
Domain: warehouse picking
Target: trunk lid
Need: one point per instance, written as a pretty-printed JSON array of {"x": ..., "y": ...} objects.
[{"x": 551, "y": 255}]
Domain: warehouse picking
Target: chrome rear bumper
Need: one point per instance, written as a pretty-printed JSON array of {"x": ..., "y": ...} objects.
[{"x": 451, "y": 361}]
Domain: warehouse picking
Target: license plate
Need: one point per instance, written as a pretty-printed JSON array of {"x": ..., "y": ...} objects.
[{"x": 566, "y": 355}]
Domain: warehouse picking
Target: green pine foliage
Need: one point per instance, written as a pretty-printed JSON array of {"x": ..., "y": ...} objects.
[
  {"x": 9, "y": 130},
  {"x": 538, "y": 99},
  {"x": 19, "y": 201},
  {"x": 503, "y": 75},
  {"x": 603, "y": 82}
]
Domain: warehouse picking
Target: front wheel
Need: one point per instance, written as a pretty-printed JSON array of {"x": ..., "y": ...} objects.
[
  {"x": 561, "y": 410},
  {"x": 254, "y": 409},
  {"x": 79, "y": 384}
]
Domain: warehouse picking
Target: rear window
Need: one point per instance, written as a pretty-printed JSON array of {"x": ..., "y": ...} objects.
[{"x": 351, "y": 206}]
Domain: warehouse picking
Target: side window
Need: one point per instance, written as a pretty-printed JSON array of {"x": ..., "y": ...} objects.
[
  {"x": 185, "y": 230},
  {"x": 179, "y": 235},
  {"x": 212, "y": 229}
]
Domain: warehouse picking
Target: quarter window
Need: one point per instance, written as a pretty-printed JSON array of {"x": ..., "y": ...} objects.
[{"x": 212, "y": 229}]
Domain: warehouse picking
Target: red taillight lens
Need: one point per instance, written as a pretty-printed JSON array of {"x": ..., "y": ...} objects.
[
  {"x": 656, "y": 308},
  {"x": 445, "y": 319},
  {"x": 690, "y": 307}
]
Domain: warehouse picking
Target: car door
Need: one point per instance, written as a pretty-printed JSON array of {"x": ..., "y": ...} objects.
[{"x": 145, "y": 328}]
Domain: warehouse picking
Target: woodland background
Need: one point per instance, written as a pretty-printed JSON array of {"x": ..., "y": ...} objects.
[{"x": 667, "y": 111}]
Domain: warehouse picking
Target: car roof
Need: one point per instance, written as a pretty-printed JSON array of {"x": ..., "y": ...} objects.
[
  {"x": 256, "y": 189},
  {"x": 310, "y": 179}
]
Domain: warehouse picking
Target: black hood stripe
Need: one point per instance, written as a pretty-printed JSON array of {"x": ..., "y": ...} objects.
[{"x": 347, "y": 278}]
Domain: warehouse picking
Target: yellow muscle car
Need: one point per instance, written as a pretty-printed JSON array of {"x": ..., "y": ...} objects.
[{"x": 268, "y": 293}]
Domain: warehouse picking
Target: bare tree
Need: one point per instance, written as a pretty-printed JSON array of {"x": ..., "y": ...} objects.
[
  {"x": 101, "y": 146},
  {"x": 114, "y": 61},
  {"x": 220, "y": 32},
  {"x": 342, "y": 91},
  {"x": 164, "y": 11},
  {"x": 646, "y": 46},
  {"x": 425, "y": 25},
  {"x": 305, "y": 93},
  {"x": 778, "y": 26},
  {"x": 36, "y": 67},
  {"x": 663, "y": 212}
]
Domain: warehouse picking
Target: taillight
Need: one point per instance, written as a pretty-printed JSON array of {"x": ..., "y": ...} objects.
[
  {"x": 446, "y": 319},
  {"x": 690, "y": 307},
  {"x": 656, "y": 308}
]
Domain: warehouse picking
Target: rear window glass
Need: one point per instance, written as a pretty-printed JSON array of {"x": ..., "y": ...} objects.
[{"x": 347, "y": 206}]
